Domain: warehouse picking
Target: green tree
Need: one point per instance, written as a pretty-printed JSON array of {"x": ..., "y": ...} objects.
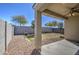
[
  {"x": 54, "y": 23},
  {"x": 33, "y": 24},
  {"x": 21, "y": 20}
]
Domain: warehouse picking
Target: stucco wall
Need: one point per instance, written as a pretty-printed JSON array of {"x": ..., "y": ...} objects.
[
  {"x": 6, "y": 34},
  {"x": 71, "y": 30},
  {"x": 9, "y": 33},
  {"x": 2, "y": 37}
]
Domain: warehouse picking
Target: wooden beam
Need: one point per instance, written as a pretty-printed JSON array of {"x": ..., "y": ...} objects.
[{"x": 54, "y": 14}]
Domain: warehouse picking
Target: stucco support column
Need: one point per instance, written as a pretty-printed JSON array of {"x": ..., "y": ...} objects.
[
  {"x": 38, "y": 29},
  {"x": 38, "y": 37}
]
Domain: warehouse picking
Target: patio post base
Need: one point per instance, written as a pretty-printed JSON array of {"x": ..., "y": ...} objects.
[{"x": 36, "y": 52}]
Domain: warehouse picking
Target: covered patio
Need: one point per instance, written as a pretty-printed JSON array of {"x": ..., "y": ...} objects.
[{"x": 69, "y": 12}]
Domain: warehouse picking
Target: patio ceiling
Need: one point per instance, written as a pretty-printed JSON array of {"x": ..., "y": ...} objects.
[{"x": 58, "y": 10}]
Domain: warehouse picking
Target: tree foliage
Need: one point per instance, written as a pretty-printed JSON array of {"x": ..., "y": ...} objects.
[
  {"x": 33, "y": 24},
  {"x": 19, "y": 19},
  {"x": 54, "y": 23}
]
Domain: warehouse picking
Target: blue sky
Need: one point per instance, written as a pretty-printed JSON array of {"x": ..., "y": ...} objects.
[{"x": 7, "y": 10}]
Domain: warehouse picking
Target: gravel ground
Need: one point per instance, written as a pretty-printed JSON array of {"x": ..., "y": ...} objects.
[{"x": 21, "y": 46}]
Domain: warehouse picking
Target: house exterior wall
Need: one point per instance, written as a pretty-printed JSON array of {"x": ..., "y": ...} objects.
[{"x": 71, "y": 31}]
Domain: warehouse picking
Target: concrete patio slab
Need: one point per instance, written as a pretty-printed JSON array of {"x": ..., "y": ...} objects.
[{"x": 62, "y": 47}]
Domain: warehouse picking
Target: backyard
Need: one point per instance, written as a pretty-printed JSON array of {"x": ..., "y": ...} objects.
[
  {"x": 22, "y": 45},
  {"x": 45, "y": 29}
]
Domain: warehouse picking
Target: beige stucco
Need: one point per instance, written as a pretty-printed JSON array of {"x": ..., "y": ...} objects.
[
  {"x": 9, "y": 33},
  {"x": 2, "y": 37},
  {"x": 6, "y": 34},
  {"x": 71, "y": 28},
  {"x": 38, "y": 36}
]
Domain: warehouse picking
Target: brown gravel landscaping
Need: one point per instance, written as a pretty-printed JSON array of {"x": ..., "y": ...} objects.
[{"x": 20, "y": 45}]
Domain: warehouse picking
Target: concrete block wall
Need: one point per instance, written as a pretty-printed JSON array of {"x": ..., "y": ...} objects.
[
  {"x": 6, "y": 34},
  {"x": 2, "y": 37},
  {"x": 9, "y": 33},
  {"x": 20, "y": 30}
]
